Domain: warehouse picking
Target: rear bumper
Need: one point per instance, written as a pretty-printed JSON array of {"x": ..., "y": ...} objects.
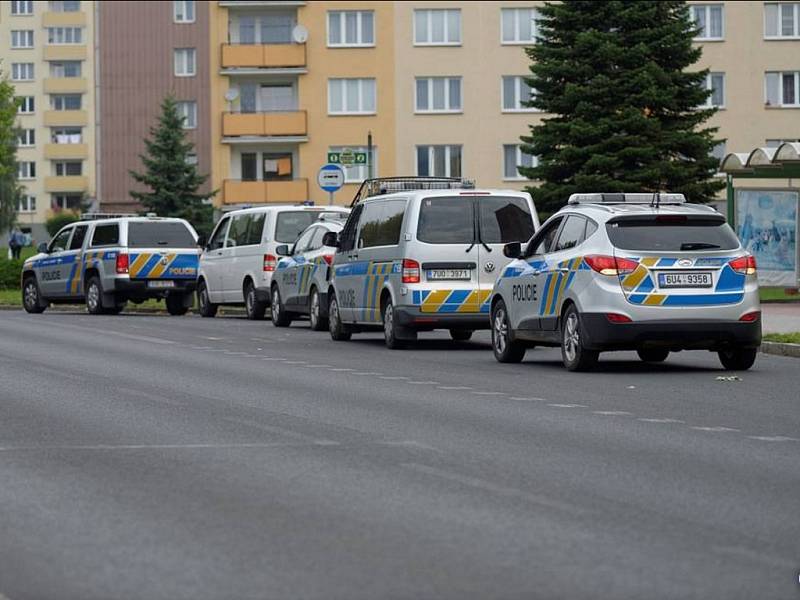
[
  {"x": 413, "y": 318},
  {"x": 600, "y": 334},
  {"x": 137, "y": 288}
]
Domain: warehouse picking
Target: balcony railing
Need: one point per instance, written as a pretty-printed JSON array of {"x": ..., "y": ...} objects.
[
  {"x": 65, "y": 85},
  {"x": 75, "y": 118},
  {"x": 261, "y": 56},
  {"x": 66, "y": 151},
  {"x": 236, "y": 191},
  {"x": 66, "y": 183},
  {"x": 278, "y": 123}
]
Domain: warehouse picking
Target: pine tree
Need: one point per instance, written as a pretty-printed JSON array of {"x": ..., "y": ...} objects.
[
  {"x": 173, "y": 182},
  {"x": 614, "y": 77},
  {"x": 9, "y": 188}
]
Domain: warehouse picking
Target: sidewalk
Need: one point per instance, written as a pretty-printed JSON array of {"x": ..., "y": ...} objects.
[{"x": 780, "y": 318}]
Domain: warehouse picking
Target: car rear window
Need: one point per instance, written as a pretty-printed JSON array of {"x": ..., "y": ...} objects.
[
  {"x": 172, "y": 234},
  {"x": 446, "y": 220},
  {"x": 672, "y": 234},
  {"x": 504, "y": 219},
  {"x": 292, "y": 223}
]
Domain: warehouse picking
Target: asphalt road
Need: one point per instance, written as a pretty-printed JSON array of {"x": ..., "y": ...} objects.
[{"x": 161, "y": 457}]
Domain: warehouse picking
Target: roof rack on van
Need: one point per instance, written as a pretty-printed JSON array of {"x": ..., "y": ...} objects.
[
  {"x": 388, "y": 185},
  {"x": 332, "y": 216},
  {"x": 96, "y": 216},
  {"x": 654, "y": 199}
]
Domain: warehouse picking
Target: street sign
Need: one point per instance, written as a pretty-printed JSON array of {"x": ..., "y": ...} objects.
[
  {"x": 347, "y": 158},
  {"x": 330, "y": 177}
]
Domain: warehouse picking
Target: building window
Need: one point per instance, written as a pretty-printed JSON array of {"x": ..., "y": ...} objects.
[
  {"x": 438, "y": 94},
  {"x": 65, "y": 68},
  {"x": 781, "y": 20},
  {"x": 68, "y": 168},
  {"x": 26, "y": 138},
  {"x": 191, "y": 159},
  {"x": 274, "y": 28},
  {"x": 64, "y": 35},
  {"x": 26, "y": 204},
  {"x": 514, "y": 157},
  {"x": 351, "y": 28},
  {"x": 67, "y": 135},
  {"x": 439, "y": 161},
  {"x": 516, "y": 94},
  {"x": 22, "y": 7},
  {"x": 437, "y": 27},
  {"x": 709, "y": 19},
  {"x": 518, "y": 25},
  {"x": 26, "y": 170},
  {"x": 783, "y": 89},
  {"x": 185, "y": 62},
  {"x": 183, "y": 11},
  {"x": 351, "y": 96},
  {"x": 66, "y": 201},
  {"x": 188, "y": 110},
  {"x": 716, "y": 83},
  {"x": 21, "y": 71},
  {"x": 358, "y": 173},
  {"x": 22, "y": 38},
  {"x": 65, "y": 5},
  {"x": 26, "y": 105},
  {"x": 65, "y": 101}
]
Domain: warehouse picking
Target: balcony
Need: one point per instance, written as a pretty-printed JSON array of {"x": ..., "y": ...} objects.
[
  {"x": 235, "y": 191},
  {"x": 265, "y": 124},
  {"x": 65, "y": 85},
  {"x": 65, "y": 52},
  {"x": 66, "y": 118},
  {"x": 67, "y": 183},
  {"x": 263, "y": 56},
  {"x": 66, "y": 151},
  {"x": 64, "y": 19}
]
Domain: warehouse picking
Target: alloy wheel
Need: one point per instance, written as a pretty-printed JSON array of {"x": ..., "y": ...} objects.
[
  {"x": 572, "y": 337},
  {"x": 500, "y": 331}
]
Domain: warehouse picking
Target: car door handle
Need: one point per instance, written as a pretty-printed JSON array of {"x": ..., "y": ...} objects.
[{"x": 563, "y": 270}]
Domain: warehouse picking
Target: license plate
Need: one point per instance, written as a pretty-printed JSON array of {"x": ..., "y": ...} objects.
[
  {"x": 449, "y": 274},
  {"x": 685, "y": 280},
  {"x": 161, "y": 283}
]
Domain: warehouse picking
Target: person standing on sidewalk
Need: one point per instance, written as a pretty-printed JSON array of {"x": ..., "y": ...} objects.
[{"x": 15, "y": 242}]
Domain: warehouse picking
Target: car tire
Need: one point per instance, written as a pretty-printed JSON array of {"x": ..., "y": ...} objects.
[
  {"x": 254, "y": 308},
  {"x": 506, "y": 350},
  {"x": 338, "y": 330},
  {"x": 653, "y": 355},
  {"x": 175, "y": 305},
  {"x": 318, "y": 322},
  {"x": 461, "y": 335},
  {"x": 31, "y": 296},
  {"x": 391, "y": 329},
  {"x": 117, "y": 308},
  {"x": 280, "y": 318},
  {"x": 738, "y": 359},
  {"x": 574, "y": 355},
  {"x": 94, "y": 296},
  {"x": 205, "y": 306}
]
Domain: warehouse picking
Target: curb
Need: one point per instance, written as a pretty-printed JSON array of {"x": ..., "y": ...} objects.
[
  {"x": 130, "y": 310},
  {"x": 781, "y": 349}
]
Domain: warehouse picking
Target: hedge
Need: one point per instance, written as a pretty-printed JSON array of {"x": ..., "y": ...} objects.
[{"x": 10, "y": 271}]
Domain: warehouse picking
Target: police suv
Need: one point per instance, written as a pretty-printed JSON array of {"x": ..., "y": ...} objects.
[
  {"x": 110, "y": 260},
  {"x": 418, "y": 254},
  {"x": 644, "y": 272}
]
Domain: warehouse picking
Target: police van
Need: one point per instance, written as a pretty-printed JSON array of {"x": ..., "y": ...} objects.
[
  {"x": 110, "y": 260},
  {"x": 418, "y": 254}
]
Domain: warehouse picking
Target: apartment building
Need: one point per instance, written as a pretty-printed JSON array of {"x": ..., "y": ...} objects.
[{"x": 47, "y": 54}]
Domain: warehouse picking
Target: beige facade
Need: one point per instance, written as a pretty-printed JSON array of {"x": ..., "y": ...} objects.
[{"x": 55, "y": 42}]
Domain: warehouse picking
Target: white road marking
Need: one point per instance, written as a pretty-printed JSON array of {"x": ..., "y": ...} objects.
[
  {"x": 340, "y": 369},
  {"x": 317, "y": 366},
  {"x": 296, "y": 362},
  {"x": 282, "y": 431},
  {"x": 422, "y": 382},
  {"x": 394, "y": 377},
  {"x": 142, "y": 446},
  {"x": 662, "y": 421},
  {"x": 717, "y": 428},
  {"x": 216, "y": 339},
  {"x": 520, "y": 399},
  {"x": 488, "y": 393},
  {"x": 568, "y": 405},
  {"x": 454, "y": 387},
  {"x": 271, "y": 358},
  {"x": 410, "y": 444},
  {"x": 613, "y": 413},
  {"x": 773, "y": 438},
  {"x": 364, "y": 373}
]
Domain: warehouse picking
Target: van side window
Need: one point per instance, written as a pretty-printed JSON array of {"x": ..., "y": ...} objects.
[
  {"x": 571, "y": 234},
  {"x": 216, "y": 241},
  {"x": 347, "y": 239},
  {"x": 237, "y": 234},
  {"x": 256, "y": 229},
  {"x": 381, "y": 224},
  {"x": 105, "y": 235}
]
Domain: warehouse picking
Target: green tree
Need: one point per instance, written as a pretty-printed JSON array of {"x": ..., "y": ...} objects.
[
  {"x": 624, "y": 108},
  {"x": 9, "y": 188},
  {"x": 173, "y": 182}
]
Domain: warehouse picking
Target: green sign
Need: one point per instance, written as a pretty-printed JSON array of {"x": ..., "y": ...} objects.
[{"x": 347, "y": 158}]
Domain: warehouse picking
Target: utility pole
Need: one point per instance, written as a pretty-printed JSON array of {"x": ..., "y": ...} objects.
[{"x": 369, "y": 155}]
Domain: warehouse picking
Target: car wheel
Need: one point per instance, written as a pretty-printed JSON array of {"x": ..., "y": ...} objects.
[
  {"x": 31, "y": 298},
  {"x": 318, "y": 322},
  {"x": 461, "y": 335},
  {"x": 175, "y": 305},
  {"x": 338, "y": 330},
  {"x": 390, "y": 327},
  {"x": 506, "y": 350},
  {"x": 206, "y": 307},
  {"x": 573, "y": 354},
  {"x": 653, "y": 354},
  {"x": 738, "y": 359},
  {"x": 94, "y": 296},
  {"x": 254, "y": 308},
  {"x": 280, "y": 318},
  {"x": 118, "y": 308}
]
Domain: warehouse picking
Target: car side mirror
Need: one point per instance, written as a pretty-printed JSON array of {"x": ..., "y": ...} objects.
[
  {"x": 512, "y": 250},
  {"x": 330, "y": 239},
  {"x": 282, "y": 250},
  {"x": 42, "y": 248},
  {"x": 202, "y": 242}
]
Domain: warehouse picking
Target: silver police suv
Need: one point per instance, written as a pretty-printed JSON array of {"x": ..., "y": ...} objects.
[
  {"x": 644, "y": 272},
  {"x": 106, "y": 262}
]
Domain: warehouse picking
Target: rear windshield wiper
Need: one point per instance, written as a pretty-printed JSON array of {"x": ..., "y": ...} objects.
[{"x": 698, "y": 246}]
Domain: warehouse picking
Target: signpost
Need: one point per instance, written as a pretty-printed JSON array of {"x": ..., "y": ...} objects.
[
  {"x": 330, "y": 178},
  {"x": 347, "y": 158}
]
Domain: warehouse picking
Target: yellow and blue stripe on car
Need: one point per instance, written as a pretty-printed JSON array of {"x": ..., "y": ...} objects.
[{"x": 154, "y": 265}]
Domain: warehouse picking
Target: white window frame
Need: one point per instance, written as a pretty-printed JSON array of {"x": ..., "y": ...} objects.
[
  {"x": 23, "y": 105},
  {"x": 447, "y": 152},
  {"x": 518, "y": 157},
  {"x": 516, "y": 10},
  {"x": 517, "y": 96},
  {"x": 26, "y": 138},
  {"x": 184, "y": 62},
  {"x": 708, "y": 86},
  {"x": 62, "y": 166},
  {"x": 429, "y": 27},
  {"x": 26, "y": 5},
  {"x": 357, "y": 173},
  {"x": 56, "y": 32},
  {"x": 180, "y": 10},
  {"x": 58, "y": 7},
  {"x": 26, "y": 204},
  {"x": 17, "y": 68},
  {"x": 60, "y": 201},
  {"x": 61, "y": 65},
  {"x": 707, "y": 9},
  {"x": 343, "y": 29},
  {"x": 360, "y": 110},
  {"x": 439, "y": 111},
  {"x": 26, "y": 170},
  {"x": 55, "y": 97},
  {"x": 795, "y": 19},
  {"x": 780, "y": 75},
  {"x": 187, "y": 109},
  {"x": 21, "y": 35},
  {"x": 72, "y": 138}
]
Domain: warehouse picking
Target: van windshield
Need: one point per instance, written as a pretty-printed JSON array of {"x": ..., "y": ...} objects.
[
  {"x": 157, "y": 234},
  {"x": 446, "y": 220},
  {"x": 292, "y": 223},
  {"x": 672, "y": 234}
]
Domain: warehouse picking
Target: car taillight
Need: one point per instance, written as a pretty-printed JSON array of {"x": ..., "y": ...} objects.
[
  {"x": 122, "y": 264},
  {"x": 750, "y": 317},
  {"x": 610, "y": 265},
  {"x": 617, "y": 318},
  {"x": 328, "y": 258},
  {"x": 270, "y": 262},
  {"x": 745, "y": 265},
  {"x": 410, "y": 271}
]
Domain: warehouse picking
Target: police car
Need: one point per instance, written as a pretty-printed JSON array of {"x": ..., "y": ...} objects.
[
  {"x": 108, "y": 261},
  {"x": 640, "y": 272},
  {"x": 300, "y": 282}
]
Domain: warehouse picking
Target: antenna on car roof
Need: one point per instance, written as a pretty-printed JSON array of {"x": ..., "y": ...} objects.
[{"x": 656, "y": 202}]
